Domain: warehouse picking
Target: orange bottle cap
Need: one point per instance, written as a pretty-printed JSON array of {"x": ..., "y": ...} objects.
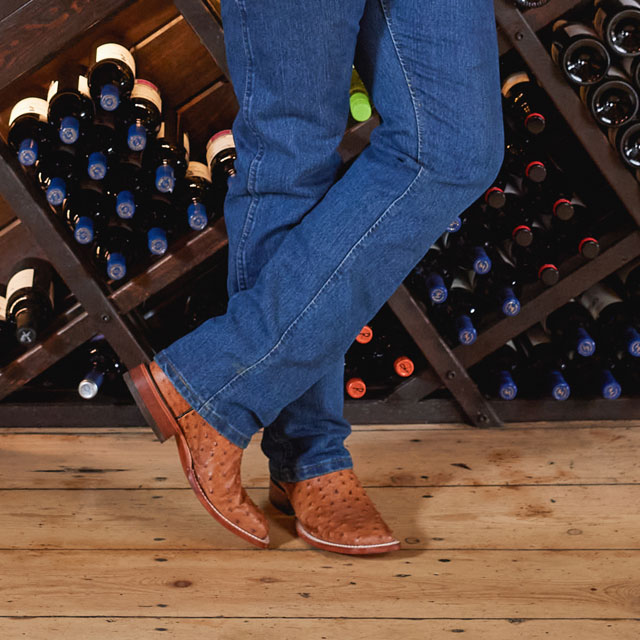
[
  {"x": 403, "y": 366},
  {"x": 365, "y": 335},
  {"x": 356, "y": 387}
]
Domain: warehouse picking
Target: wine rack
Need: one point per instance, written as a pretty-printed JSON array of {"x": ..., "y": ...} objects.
[{"x": 113, "y": 311}]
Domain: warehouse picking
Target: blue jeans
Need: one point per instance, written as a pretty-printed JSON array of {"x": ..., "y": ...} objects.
[{"x": 312, "y": 258}]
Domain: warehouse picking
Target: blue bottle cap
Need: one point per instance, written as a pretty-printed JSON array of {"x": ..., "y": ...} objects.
[
  {"x": 28, "y": 152},
  {"x": 97, "y": 165},
  {"x": 165, "y": 179},
  {"x": 507, "y": 388},
  {"x": 116, "y": 266},
  {"x": 633, "y": 342},
  {"x": 137, "y": 137},
  {"x": 69, "y": 130},
  {"x": 125, "y": 205},
  {"x": 197, "y": 215},
  {"x": 109, "y": 97},
  {"x": 510, "y": 303},
  {"x": 56, "y": 191},
  {"x": 609, "y": 386},
  {"x": 560, "y": 389},
  {"x": 83, "y": 233},
  {"x": 454, "y": 226},
  {"x": 437, "y": 289},
  {"x": 467, "y": 333},
  {"x": 90, "y": 384},
  {"x": 481, "y": 261},
  {"x": 586, "y": 345},
  {"x": 157, "y": 241}
]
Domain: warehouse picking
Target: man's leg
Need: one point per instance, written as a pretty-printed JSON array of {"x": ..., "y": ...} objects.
[
  {"x": 307, "y": 437},
  {"x": 432, "y": 71}
]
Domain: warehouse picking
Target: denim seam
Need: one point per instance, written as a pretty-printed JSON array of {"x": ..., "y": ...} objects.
[
  {"x": 325, "y": 286},
  {"x": 282, "y": 473},
  {"x": 240, "y": 257},
  {"x": 387, "y": 19}
]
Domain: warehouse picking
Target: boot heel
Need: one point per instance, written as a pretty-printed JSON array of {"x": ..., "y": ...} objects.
[
  {"x": 142, "y": 389},
  {"x": 278, "y": 498}
]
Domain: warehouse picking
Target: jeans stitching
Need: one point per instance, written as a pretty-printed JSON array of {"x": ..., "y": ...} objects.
[
  {"x": 240, "y": 258},
  {"x": 387, "y": 19},
  {"x": 326, "y": 284}
]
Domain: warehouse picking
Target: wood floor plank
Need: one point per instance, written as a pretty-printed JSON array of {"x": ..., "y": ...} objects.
[
  {"x": 404, "y": 584},
  {"x": 317, "y": 629},
  {"x": 382, "y": 458},
  {"x": 596, "y": 517}
]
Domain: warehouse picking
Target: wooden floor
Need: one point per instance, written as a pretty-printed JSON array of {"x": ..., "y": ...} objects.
[{"x": 520, "y": 533}]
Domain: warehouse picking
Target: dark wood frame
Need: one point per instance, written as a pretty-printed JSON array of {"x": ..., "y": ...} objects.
[{"x": 107, "y": 310}]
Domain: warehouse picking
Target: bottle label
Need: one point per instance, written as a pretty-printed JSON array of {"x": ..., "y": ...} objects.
[
  {"x": 198, "y": 170},
  {"x": 598, "y": 21},
  {"x": 20, "y": 280},
  {"x": 113, "y": 51},
  {"x": 461, "y": 283},
  {"x": 37, "y": 106},
  {"x": 187, "y": 145},
  {"x": 3, "y": 309},
  {"x": 83, "y": 86},
  {"x": 574, "y": 29},
  {"x": 220, "y": 141},
  {"x": 513, "y": 80},
  {"x": 53, "y": 89},
  {"x": 148, "y": 91},
  {"x": 598, "y": 298},
  {"x": 537, "y": 335},
  {"x": 161, "y": 130}
]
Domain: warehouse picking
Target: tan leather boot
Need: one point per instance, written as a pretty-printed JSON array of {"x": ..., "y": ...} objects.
[
  {"x": 210, "y": 461},
  {"x": 333, "y": 512}
]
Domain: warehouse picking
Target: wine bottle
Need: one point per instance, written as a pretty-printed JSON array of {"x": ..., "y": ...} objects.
[
  {"x": 472, "y": 246},
  {"x": 613, "y": 101},
  {"x": 591, "y": 377},
  {"x": 56, "y": 169},
  {"x": 501, "y": 289},
  {"x": 156, "y": 220},
  {"x": 617, "y": 22},
  {"x": 614, "y": 319},
  {"x": 529, "y": 4},
  {"x": 87, "y": 211},
  {"x": 457, "y": 318},
  {"x": 142, "y": 114},
  {"x": 576, "y": 49},
  {"x": 29, "y": 298},
  {"x": 169, "y": 154},
  {"x": 494, "y": 197},
  {"x": 102, "y": 365},
  {"x": 524, "y": 161},
  {"x": 626, "y": 140},
  {"x": 115, "y": 249},
  {"x": 431, "y": 277},
  {"x": 536, "y": 262},
  {"x": 112, "y": 71},
  {"x": 100, "y": 145},
  {"x": 28, "y": 129},
  {"x": 4, "y": 327},
  {"x": 514, "y": 221},
  {"x": 496, "y": 374},
  {"x": 629, "y": 282},
  {"x": 359, "y": 103},
  {"x": 631, "y": 67},
  {"x": 572, "y": 326},
  {"x": 126, "y": 181},
  {"x": 70, "y": 107},
  {"x": 455, "y": 225},
  {"x": 555, "y": 196},
  {"x": 221, "y": 155},
  {"x": 544, "y": 371},
  {"x": 354, "y": 385},
  {"x": 523, "y": 102},
  {"x": 195, "y": 196}
]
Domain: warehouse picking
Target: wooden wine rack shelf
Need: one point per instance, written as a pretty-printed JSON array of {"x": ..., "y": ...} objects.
[{"x": 103, "y": 309}]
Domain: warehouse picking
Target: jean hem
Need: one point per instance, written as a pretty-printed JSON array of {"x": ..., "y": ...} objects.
[
  {"x": 231, "y": 433},
  {"x": 298, "y": 474}
]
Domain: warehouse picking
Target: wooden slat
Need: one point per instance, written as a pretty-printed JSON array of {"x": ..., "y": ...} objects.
[
  {"x": 496, "y": 584},
  {"x": 140, "y": 628},
  {"x": 176, "y": 61},
  {"x": 417, "y": 457},
  {"x": 546, "y": 517}
]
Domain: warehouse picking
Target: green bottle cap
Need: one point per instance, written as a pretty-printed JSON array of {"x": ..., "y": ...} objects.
[{"x": 360, "y": 106}]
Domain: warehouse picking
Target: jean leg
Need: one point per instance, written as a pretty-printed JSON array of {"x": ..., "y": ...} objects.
[
  {"x": 434, "y": 79},
  {"x": 307, "y": 437}
]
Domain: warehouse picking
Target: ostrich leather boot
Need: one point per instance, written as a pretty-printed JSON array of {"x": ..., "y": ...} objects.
[
  {"x": 210, "y": 461},
  {"x": 333, "y": 512}
]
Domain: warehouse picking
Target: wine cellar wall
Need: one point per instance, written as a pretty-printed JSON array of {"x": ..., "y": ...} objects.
[{"x": 502, "y": 321}]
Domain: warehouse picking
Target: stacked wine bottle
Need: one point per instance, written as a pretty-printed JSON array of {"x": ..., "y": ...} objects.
[
  {"x": 600, "y": 57},
  {"x": 114, "y": 164}
]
